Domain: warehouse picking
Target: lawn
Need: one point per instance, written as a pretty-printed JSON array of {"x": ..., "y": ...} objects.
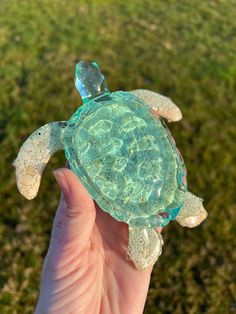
[{"x": 183, "y": 49}]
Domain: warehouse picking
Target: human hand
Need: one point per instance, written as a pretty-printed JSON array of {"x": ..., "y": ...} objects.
[{"x": 86, "y": 270}]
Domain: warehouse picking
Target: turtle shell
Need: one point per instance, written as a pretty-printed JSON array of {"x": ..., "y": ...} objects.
[{"x": 127, "y": 159}]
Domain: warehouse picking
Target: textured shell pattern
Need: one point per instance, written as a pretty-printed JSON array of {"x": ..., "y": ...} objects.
[{"x": 127, "y": 159}]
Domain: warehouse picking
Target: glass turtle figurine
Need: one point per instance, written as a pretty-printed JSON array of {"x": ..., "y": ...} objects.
[{"x": 120, "y": 148}]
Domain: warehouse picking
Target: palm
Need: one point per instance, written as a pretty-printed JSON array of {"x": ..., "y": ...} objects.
[{"x": 88, "y": 272}]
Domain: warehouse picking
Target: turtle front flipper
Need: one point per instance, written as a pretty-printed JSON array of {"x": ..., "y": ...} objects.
[
  {"x": 192, "y": 213},
  {"x": 34, "y": 156},
  {"x": 161, "y": 105},
  {"x": 144, "y": 248}
]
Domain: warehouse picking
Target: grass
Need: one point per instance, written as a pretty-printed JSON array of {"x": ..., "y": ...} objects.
[{"x": 183, "y": 49}]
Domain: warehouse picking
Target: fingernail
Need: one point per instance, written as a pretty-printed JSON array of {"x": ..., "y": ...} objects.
[{"x": 61, "y": 180}]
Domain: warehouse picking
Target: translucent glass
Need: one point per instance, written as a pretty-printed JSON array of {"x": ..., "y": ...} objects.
[
  {"x": 126, "y": 159},
  {"x": 89, "y": 80}
]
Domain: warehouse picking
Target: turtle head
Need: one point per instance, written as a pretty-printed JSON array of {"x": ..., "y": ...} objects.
[{"x": 89, "y": 80}]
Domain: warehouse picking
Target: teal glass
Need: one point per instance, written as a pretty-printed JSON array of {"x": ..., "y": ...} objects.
[{"x": 123, "y": 155}]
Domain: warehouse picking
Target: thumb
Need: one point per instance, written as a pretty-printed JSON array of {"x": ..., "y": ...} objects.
[{"x": 75, "y": 215}]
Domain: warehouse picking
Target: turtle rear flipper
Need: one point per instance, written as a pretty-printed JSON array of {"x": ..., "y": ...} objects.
[
  {"x": 34, "y": 156},
  {"x": 144, "y": 248},
  {"x": 192, "y": 213}
]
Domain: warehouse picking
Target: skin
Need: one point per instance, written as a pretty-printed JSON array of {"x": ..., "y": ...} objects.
[{"x": 86, "y": 269}]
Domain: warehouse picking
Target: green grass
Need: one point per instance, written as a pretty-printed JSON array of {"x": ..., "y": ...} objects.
[{"x": 183, "y": 49}]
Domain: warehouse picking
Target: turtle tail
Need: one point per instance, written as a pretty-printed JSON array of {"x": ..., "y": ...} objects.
[{"x": 144, "y": 248}]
